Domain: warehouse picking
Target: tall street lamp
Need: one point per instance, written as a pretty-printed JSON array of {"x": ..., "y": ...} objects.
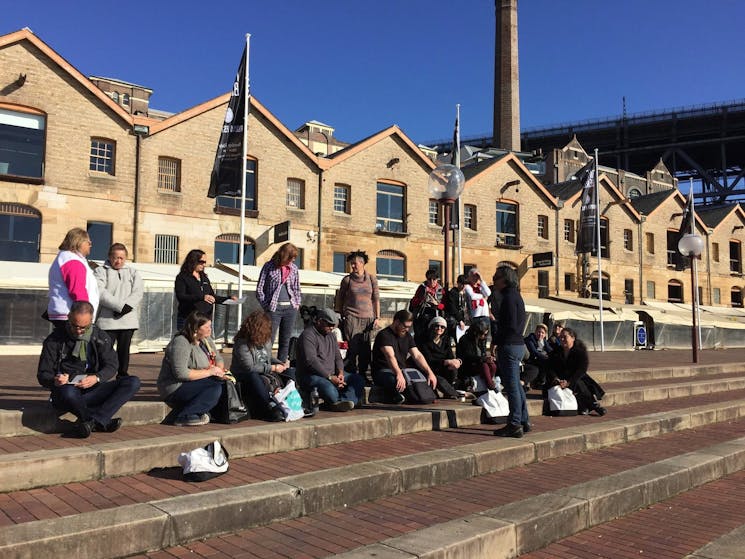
[
  {"x": 445, "y": 185},
  {"x": 691, "y": 245}
]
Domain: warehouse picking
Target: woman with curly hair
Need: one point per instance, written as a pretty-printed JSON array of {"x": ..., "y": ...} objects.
[{"x": 251, "y": 362}]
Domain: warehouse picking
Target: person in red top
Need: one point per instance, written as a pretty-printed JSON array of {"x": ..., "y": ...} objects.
[{"x": 426, "y": 304}]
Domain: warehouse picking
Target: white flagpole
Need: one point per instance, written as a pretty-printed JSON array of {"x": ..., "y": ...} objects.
[
  {"x": 243, "y": 179},
  {"x": 600, "y": 265},
  {"x": 460, "y": 201},
  {"x": 695, "y": 266}
]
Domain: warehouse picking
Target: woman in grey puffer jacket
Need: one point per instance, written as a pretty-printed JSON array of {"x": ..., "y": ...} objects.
[{"x": 121, "y": 292}]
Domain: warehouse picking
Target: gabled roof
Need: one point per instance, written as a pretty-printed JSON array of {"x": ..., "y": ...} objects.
[
  {"x": 255, "y": 106},
  {"x": 648, "y": 203},
  {"x": 567, "y": 189},
  {"x": 479, "y": 168},
  {"x": 713, "y": 217},
  {"x": 353, "y": 149},
  {"x": 473, "y": 169},
  {"x": 26, "y": 34}
]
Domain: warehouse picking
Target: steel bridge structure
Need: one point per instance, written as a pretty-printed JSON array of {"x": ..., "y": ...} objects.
[{"x": 705, "y": 143}]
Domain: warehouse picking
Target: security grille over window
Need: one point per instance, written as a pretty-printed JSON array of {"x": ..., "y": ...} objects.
[
  {"x": 102, "y": 156},
  {"x": 169, "y": 174},
  {"x": 166, "y": 249}
]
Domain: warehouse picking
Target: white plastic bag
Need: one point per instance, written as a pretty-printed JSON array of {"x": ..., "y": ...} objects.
[
  {"x": 204, "y": 463},
  {"x": 494, "y": 403},
  {"x": 290, "y": 402},
  {"x": 561, "y": 401}
]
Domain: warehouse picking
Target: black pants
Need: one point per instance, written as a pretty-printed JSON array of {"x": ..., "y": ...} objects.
[
  {"x": 123, "y": 339},
  {"x": 99, "y": 402}
]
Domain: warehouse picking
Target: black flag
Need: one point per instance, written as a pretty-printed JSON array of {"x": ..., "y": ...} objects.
[
  {"x": 588, "y": 213},
  {"x": 455, "y": 160},
  {"x": 226, "y": 179}
]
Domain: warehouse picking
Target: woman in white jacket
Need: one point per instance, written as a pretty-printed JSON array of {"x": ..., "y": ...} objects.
[{"x": 120, "y": 289}]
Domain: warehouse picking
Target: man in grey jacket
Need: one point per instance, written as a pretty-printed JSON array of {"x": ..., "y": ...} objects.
[
  {"x": 320, "y": 366},
  {"x": 120, "y": 289}
]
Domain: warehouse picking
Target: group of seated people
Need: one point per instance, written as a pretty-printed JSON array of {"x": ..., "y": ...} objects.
[{"x": 78, "y": 365}]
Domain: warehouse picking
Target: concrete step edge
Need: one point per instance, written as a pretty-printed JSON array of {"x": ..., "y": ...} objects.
[
  {"x": 41, "y": 419},
  {"x": 728, "y": 546},
  {"x": 188, "y": 517},
  {"x": 531, "y": 524}
]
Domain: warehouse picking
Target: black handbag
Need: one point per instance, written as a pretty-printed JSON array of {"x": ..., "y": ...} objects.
[{"x": 230, "y": 407}]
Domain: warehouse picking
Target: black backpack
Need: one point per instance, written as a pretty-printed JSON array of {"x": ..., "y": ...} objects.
[{"x": 418, "y": 390}]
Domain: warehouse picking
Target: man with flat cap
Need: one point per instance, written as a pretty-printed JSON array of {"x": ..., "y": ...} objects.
[{"x": 320, "y": 365}]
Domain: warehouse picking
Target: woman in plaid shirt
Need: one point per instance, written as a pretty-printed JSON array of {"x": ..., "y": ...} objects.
[{"x": 278, "y": 292}]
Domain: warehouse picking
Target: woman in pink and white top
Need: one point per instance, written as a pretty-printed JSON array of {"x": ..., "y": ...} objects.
[
  {"x": 477, "y": 292},
  {"x": 70, "y": 277}
]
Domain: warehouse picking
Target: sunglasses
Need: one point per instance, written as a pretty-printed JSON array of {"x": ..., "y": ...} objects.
[
  {"x": 202, "y": 262},
  {"x": 439, "y": 327}
]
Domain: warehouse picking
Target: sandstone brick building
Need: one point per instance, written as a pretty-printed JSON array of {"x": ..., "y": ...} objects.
[{"x": 73, "y": 153}]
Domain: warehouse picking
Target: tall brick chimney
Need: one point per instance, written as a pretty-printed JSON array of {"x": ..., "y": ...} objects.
[{"x": 506, "y": 133}]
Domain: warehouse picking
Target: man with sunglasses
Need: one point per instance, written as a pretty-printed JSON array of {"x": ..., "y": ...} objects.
[{"x": 77, "y": 364}]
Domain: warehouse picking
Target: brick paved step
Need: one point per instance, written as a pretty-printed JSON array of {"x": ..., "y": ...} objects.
[
  {"x": 501, "y": 514},
  {"x": 623, "y": 386},
  {"x": 154, "y": 523},
  {"x": 702, "y": 523},
  {"x": 41, "y": 460}
]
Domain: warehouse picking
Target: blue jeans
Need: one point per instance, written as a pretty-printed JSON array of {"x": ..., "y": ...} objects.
[
  {"x": 509, "y": 357},
  {"x": 328, "y": 390},
  {"x": 195, "y": 397},
  {"x": 99, "y": 402},
  {"x": 283, "y": 320}
]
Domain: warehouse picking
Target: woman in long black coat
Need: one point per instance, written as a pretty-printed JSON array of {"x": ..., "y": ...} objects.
[{"x": 568, "y": 368}]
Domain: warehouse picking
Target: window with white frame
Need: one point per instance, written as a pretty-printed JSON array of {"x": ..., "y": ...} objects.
[
  {"x": 543, "y": 227},
  {"x": 169, "y": 174},
  {"x": 102, "y": 156},
  {"x": 569, "y": 230},
  {"x": 22, "y": 144},
  {"x": 507, "y": 220},
  {"x": 434, "y": 212},
  {"x": 166, "y": 249},
  {"x": 296, "y": 193},
  {"x": 469, "y": 217},
  {"x": 628, "y": 239},
  {"x": 125, "y": 99},
  {"x": 341, "y": 198},
  {"x": 390, "y": 208}
]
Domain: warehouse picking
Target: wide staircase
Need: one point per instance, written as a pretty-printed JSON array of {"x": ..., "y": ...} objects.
[{"x": 661, "y": 475}]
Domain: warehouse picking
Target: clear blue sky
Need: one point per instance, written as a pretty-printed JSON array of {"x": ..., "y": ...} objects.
[{"x": 362, "y": 66}]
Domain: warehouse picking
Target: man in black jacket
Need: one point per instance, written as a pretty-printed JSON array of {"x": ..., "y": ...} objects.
[{"x": 77, "y": 364}]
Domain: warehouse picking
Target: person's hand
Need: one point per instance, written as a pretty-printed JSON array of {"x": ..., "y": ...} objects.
[
  {"x": 87, "y": 382},
  {"x": 432, "y": 380},
  {"x": 233, "y": 297},
  {"x": 400, "y": 382},
  {"x": 61, "y": 378},
  {"x": 216, "y": 371},
  {"x": 563, "y": 383},
  {"x": 209, "y": 299},
  {"x": 279, "y": 367}
]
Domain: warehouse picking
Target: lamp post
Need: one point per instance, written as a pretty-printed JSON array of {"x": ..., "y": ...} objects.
[
  {"x": 691, "y": 245},
  {"x": 445, "y": 185}
]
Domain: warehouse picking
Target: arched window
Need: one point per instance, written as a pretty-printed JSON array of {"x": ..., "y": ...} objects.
[
  {"x": 20, "y": 229},
  {"x": 675, "y": 291},
  {"x": 227, "y": 246},
  {"x": 125, "y": 99},
  {"x": 390, "y": 265}
]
